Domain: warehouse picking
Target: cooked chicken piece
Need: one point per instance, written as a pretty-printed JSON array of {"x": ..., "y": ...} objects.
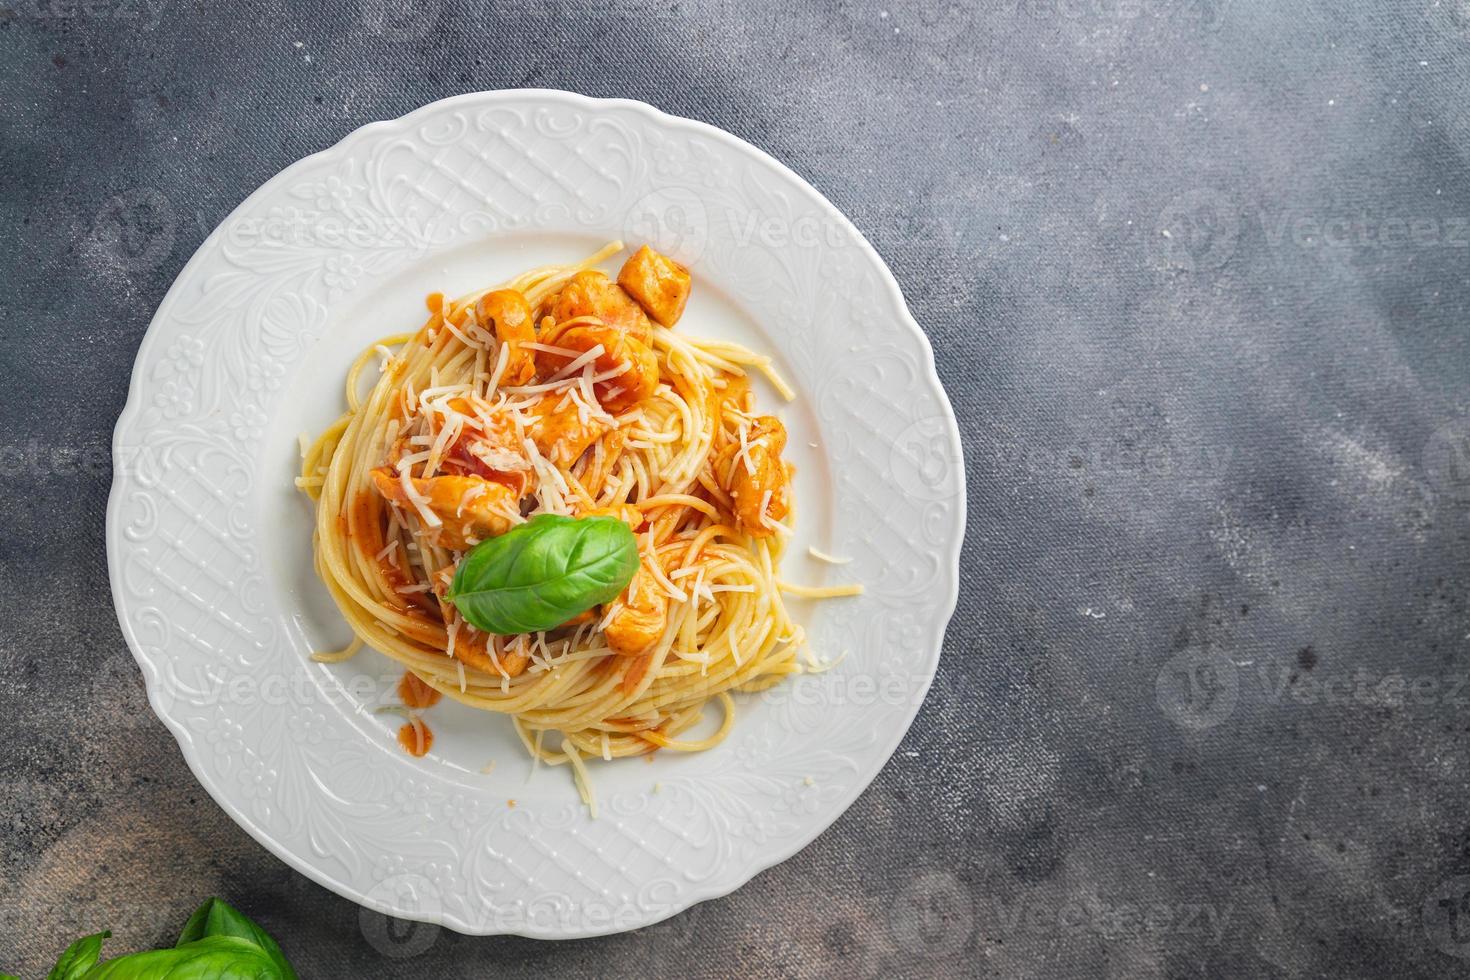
[
  {"x": 473, "y": 650},
  {"x": 506, "y": 314},
  {"x": 488, "y": 446},
  {"x": 595, "y": 476},
  {"x": 734, "y": 396},
  {"x": 592, "y": 293},
  {"x": 636, "y": 382},
  {"x": 640, "y": 615},
  {"x": 560, "y": 434},
  {"x": 470, "y": 509},
  {"x": 755, "y": 475},
  {"x": 658, "y": 283}
]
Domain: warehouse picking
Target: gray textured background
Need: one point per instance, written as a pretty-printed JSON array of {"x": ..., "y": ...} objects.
[{"x": 1198, "y": 277}]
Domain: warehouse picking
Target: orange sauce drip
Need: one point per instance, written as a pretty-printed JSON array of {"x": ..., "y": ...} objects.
[
  {"x": 415, "y": 693},
  {"x": 408, "y": 737}
]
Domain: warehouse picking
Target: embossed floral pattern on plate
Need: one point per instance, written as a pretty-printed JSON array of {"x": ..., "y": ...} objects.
[{"x": 185, "y": 521}]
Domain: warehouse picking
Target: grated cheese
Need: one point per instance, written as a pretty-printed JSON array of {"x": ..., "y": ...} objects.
[
  {"x": 450, "y": 432},
  {"x": 501, "y": 359},
  {"x": 474, "y": 492},
  {"x": 623, "y": 368},
  {"x": 550, "y": 348},
  {"x": 744, "y": 454},
  {"x": 656, "y": 567},
  {"x": 419, "y": 501},
  {"x": 449, "y": 324},
  {"x": 552, "y": 489},
  {"x": 587, "y": 392},
  {"x": 587, "y": 357}
]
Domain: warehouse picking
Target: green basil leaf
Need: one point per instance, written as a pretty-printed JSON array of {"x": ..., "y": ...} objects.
[
  {"x": 217, "y": 917},
  {"x": 211, "y": 958},
  {"x": 543, "y": 573},
  {"x": 79, "y": 957}
]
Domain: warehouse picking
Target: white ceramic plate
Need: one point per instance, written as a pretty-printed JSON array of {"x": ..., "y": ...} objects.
[{"x": 209, "y": 545}]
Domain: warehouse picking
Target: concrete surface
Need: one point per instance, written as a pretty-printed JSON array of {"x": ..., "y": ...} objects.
[{"x": 1198, "y": 277}]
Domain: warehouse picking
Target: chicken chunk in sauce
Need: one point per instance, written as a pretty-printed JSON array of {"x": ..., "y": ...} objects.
[
  {"x": 469, "y": 508},
  {"x": 658, "y": 284},
  {"x": 639, "y": 615},
  {"x": 631, "y": 364},
  {"x": 506, "y": 314},
  {"x": 559, "y": 431},
  {"x": 592, "y": 293},
  {"x": 754, "y": 474}
]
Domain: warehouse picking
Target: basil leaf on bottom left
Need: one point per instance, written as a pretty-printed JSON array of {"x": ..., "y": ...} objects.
[
  {"x": 217, "y": 917},
  {"x": 79, "y": 957},
  {"x": 212, "y": 958}
]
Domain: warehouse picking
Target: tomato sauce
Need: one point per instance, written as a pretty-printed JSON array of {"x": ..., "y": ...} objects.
[
  {"x": 415, "y": 693},
  {"x": 416, "y": 740}
]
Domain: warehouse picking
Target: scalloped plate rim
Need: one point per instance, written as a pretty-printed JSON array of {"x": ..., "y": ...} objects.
[{"x": 697, "y": 894}]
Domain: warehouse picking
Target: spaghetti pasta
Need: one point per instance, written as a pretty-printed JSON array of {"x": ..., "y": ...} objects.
[{"x": 538, "y": 396}]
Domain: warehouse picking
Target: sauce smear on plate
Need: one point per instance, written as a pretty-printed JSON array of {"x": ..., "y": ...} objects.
[
  {"x": 416, "y": 738},
  {"x": 415, "y": 693}
]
